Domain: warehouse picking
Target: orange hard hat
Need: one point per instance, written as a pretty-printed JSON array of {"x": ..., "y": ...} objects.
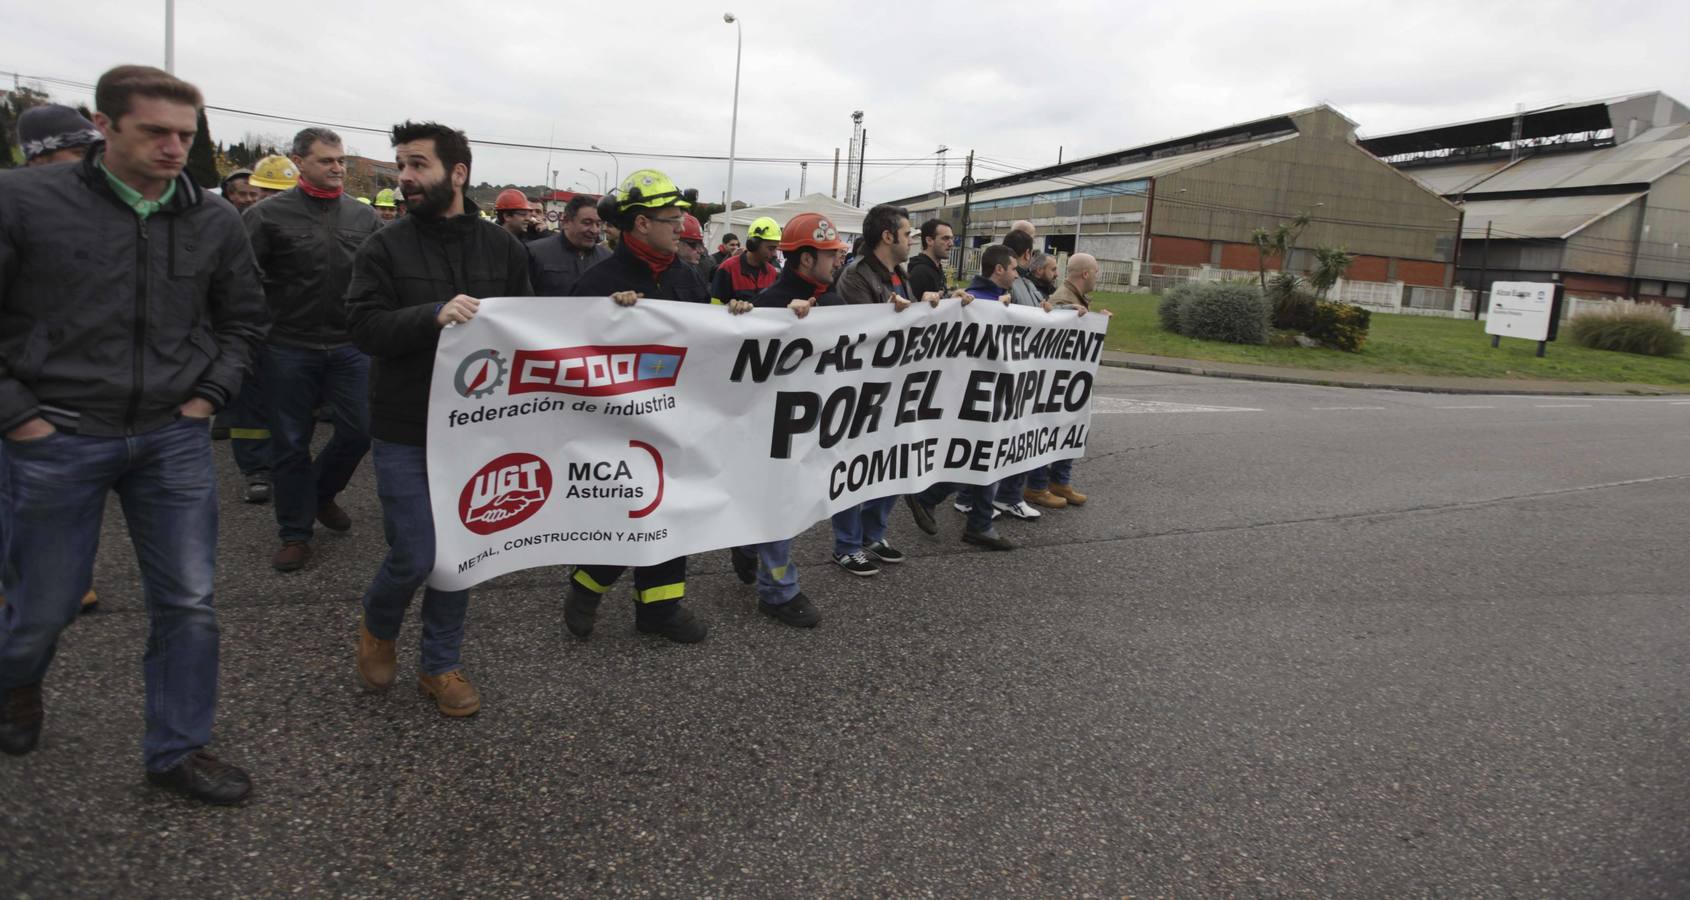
[
  {"x": 690, "y": 229},
  {"x": 510, "y": 198},
  {"x": 810, "y": 230}
]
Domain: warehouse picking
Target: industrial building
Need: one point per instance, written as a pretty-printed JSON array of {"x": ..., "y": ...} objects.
[
  {"x": 1593, "y": 195},
  {"x": 1195, "y": 201}
]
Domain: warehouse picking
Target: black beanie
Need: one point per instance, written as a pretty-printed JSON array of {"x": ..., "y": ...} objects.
[{"x": 43, "y": 129}]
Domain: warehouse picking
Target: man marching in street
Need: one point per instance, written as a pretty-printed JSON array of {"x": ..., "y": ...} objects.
[
  {"x": 412, "y": 278},
  {"x": 877, "y": 276},
  {"x": 812, "y": 246},
  {"x": 304, "y": 240},
  {"x": 131, "y": 308},
  {"x": 751, "y": 273},
  {"x": 649, "y": 211},
  {"x": 1052, "y": 485},
  {"x": 556, "y": 262}
]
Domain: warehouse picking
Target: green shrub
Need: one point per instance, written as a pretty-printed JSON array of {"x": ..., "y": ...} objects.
[
  {"x": 1340, "y": 326},
  {"x": 1628, "y": 327},
  {"x": 1234, "y": 312},
  {"x": 1172, "y": 299}
]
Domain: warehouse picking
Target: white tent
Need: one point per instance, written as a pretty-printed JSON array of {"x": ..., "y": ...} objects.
[{"x": 848, "y": 219}]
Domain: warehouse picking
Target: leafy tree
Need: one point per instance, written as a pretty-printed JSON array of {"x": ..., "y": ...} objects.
[
  {"x": 1330, "y": 265},
  {"x": 1278, "y": 242},
  {"x": 202, "y": 157}
]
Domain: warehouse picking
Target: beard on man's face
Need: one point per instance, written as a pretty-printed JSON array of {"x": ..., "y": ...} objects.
[{"x": 436, "y": 199}]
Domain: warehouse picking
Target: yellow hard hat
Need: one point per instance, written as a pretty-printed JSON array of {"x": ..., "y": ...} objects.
[
  {"x": 384, "y": 198},
  {"x": 364, "y": 200},
  {"x": 765, "y": 229},
  {"x": 276, "y": 173},
  {"x": 651, "y": 189}
]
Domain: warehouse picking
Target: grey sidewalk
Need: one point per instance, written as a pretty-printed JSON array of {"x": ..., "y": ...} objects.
[{"x": 1394, "y": 381}]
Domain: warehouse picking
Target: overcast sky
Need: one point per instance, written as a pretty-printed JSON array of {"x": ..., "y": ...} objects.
[{"x": 1013, "y": 81}]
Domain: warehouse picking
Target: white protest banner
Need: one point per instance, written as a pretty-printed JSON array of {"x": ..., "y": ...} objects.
[{"x": 578, "y": 431}]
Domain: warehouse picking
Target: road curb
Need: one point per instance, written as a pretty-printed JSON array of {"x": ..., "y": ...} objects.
[{"x": 1321, "y": 381}]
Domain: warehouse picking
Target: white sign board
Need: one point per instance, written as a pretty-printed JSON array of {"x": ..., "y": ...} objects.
[
  {"x": 1521, "y": 309},
  {"x": 573, "y": 430}
]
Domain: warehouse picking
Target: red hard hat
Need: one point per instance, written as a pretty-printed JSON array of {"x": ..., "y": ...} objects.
[
  {"x": 510, "y": 198},
  {"x": 690, "y": 229},
  {"x": 810, "y": 230}
]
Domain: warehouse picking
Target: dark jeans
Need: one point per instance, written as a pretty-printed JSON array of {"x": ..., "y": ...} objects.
[
  {"x": 408, "y": 520},
  {"x": 978, "y": 496},
  {"x": 1059, "y": 472},
  {"x": 294, "y": 379},
  {"x": 861, "y": 525},
  {"x": 167, "y": 483},
  {"x": 249, "y": 423},
  {"x": 657, "y": 588}
]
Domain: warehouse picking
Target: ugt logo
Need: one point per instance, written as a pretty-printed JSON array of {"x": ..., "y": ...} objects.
[
  {"x": 597, "y": 371},
  {"x": 505, "y": 493}
]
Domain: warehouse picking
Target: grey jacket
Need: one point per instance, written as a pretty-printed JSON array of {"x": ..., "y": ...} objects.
[
  {"x": 865, "y": 280},
  {"x": 304, "y": 246},
  {"x": 554, "y": 265},
  {"x": 109, "y": 323},
  {"x": 1023, "y": 292}
]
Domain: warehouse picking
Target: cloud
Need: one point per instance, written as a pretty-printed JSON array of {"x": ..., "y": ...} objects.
[{"x": 1013, "y": 81}]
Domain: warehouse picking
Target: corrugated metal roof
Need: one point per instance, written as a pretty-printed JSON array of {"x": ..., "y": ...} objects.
[
  {"x": 1641, "y": 160},
  {"x": 1453, "y": 179},
  {"x": 1539, "y": 217},
  {"x": 1148, "y": 168}
]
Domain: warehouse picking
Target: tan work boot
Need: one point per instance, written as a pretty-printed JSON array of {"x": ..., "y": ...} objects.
[
  {"x": 376, "y": 660},
  {"x": 90, "y": 601},
  {"x": 1045, "y": 499},
  {"x": 452, "y": 693},
  {"x": 1066, "y": 492},
  {"x": 291, "y": 557}
]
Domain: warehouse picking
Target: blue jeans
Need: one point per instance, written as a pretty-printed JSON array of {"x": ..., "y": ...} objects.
[
  {"x": 167, "y": 483},
  {"x": 861, "y": 525},
  {"x": 1060, "y": 472},
  {"x": 979, "y": 496},
  {"x": 294, "y": 378},
  {"x": 777, "y": 574},
  {"x": 1009, "y": 489},
  {"x": 249, "y": 423},
  {"x": 408, "y": 520}
]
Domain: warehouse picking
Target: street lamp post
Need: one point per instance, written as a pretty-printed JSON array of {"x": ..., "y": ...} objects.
[
  {"x": 170, "y": 36},
  {"x": 598, "y": 179},
  {"x": 733, "y": 127},
  {"x": 613, "y": 159}
]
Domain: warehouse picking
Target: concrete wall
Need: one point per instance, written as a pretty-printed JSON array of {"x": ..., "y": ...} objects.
[
  {"x": 1604, "y": 248},
  {"x": 1664, "y": 250}
]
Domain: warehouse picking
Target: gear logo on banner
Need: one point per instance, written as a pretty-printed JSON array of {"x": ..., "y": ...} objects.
[
  {"x": 505, "y": 493},
  {"x": 480, "y": 374}
]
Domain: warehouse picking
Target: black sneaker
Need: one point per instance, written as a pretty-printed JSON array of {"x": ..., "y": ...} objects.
[
  {"x": 20, "y": 719},
  {"x": 744, "y": 566},
  {"x": 883, "y": 551},
  {"x": 580, "y": 608},
  {"x": 991, "y": 540},
  {"x": 923, "y": 514},
  {"x": 798, "y": 612},
  {"x": 205, "y": 778},
  {"x": 257, "y": 489},
  {"x": 856, "y": 563},
  {"x": 680, "y": 626}
]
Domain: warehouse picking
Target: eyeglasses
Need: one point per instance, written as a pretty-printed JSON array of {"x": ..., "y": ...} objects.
[{"x": 671, "y": 222}]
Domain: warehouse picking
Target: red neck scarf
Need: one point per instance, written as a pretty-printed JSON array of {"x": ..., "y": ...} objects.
[
  {"x": 651, "y": 256},
  {"x": 820, "y": 286},
  {"x": 318, "y": 192}
]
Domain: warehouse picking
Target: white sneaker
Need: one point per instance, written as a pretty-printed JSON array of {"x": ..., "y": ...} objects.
[
  {"x": 966, "y": 508},
  {"x": 1020, "y": 509}
]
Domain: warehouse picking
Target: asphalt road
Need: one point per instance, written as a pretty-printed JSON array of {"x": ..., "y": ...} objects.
[{"x": 1302, "y": 641}]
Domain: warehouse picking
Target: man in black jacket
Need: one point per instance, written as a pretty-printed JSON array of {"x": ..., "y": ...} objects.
[
  {"x": 648, "y": 210},
  {"x": 555, "y": 262},
  {"x": 129, "y": 308},
  {"x": 304, "y": 240},
  {"x": 416, "y": 276},
  {"x": 927, "y": 268}
]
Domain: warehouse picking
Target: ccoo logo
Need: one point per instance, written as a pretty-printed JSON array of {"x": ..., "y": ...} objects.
[{"x": 505, "y": 493}]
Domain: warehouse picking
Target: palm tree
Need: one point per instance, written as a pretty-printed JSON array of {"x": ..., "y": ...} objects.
[{"x": 1330, "y": 264}]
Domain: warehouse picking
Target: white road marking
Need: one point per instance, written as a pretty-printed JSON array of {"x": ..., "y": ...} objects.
[
  {"x": 1344, "y": 408},
  {"x": 1561, "y": 405},
  {"x": 1113, "y": 405},
  {"x": 1464, "y": 407}
]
